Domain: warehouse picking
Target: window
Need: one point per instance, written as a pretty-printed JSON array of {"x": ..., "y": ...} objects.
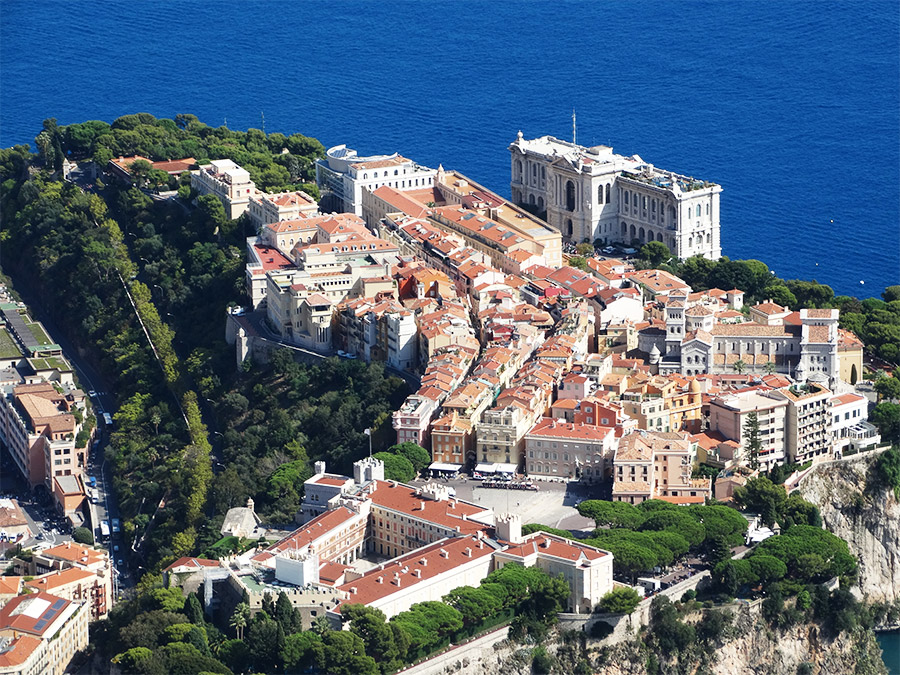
[
  {"x": 698, "y": 210},
  {"x": 607, "y": 193},
  {"x": 570, "y": 196},
  {"x": 599, "y": 194}
]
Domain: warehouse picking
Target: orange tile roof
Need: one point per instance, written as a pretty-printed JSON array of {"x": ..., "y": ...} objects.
[
  {"x": 546, "y": 544},
  {"x": 10, "y": 585},
  {"x": 58, "y": 578},
  {"x": 768, "y": 308},
  {"x": 583, "y": 432},
  {"x": 308, "y": 533},
  {"x": 447, "y": 513},
  {"x": 844, "y": 399},
  {"x": 818, "y": 334},
  {"x": 414, "y": 568},
  {"x": 19, "y": 651},
  {"x": 192, "y": 562},
  {"x": 32, "y": 613},
  {"x": 76, "y": 553}
]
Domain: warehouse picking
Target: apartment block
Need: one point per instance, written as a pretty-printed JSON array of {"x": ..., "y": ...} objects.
[{"x": 227, "y": 181}]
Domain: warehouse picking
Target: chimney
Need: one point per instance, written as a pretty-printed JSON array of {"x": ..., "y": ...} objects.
[
  {"x": 421, "y": 506},
  {"x": 444, "y": 553},
  {"x": 424, "y": 562},
  {"x": 379, "y": 580},
  {"x": 465, "y": 517},
  {"x": 467, "y": 552},
  {"x": 353, "y": 590},
  {"x": 545, "y": 543},
  {"x": 417, "y": 574}
]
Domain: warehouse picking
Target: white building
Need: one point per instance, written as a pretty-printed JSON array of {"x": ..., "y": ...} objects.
[
  {"x": 227, "y": 181},
  {"x": 268, "y": 208},
  {"x": 342, "y": 176},
  {"x": 593, "y": 193}
]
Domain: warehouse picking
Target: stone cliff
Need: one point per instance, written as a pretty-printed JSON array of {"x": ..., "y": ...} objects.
[
  {"x": 751, "y": 648},
  {"x": 867, "y": 519}
]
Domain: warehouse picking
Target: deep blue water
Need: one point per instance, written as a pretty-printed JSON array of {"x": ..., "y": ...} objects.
[
  {"x": 890, "y": 650},
  {"x": 792, "y": 107}
]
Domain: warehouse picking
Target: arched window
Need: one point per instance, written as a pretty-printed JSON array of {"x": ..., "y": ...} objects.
[
  {"x": 396, "y": 172},
  {"x": 365, "y": 175},
  {"x": 707, "y": 237},
  {"x": 690, "y": 242},
  {"x": 627, "y": 200},
  {"x": 540, "y": 203},
  {"x": 698, "y": 210},
  {"x": 624, "y": 230},
  {"x": 534, "y": 170},
  {"x": 531, "y": 199},
  {"x": 543, "y": 173},
  {"x": 634, "y": 200},
  {"x": 519, "y": 169},
  {"x": 607, "y": 193},
  {"x": 659, "y": 237},
  {"x": 569, "y": 228},
  {"x": 641, "y": 234},
  {"x": 375, "y": 175},
  {"x": 570, "y": 196},
  {"x": 599, "y": 194},
  {"x": 707, "y": 209}
]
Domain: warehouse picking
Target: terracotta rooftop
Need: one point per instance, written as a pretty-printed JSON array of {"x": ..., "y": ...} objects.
[
  {"x": 769, "y": 308},
  {"x": 76, "y": 553},
  {"x": 33, "y": 613},
  {"x": 308, "y": 533},
  {"x": 17, "y": 652},
  {"x": 448, "y": 513},
  {"x": 197, "y": 563},
  {"x": 414, "y": 568},
  {"x": 59, "y": 578},
  {"x": 557, "y": 547},
  {"x": 576, "y": 432}
]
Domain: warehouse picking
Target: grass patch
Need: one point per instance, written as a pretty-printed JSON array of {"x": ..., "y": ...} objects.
[
  {"x": 38, "y": 332},
  {"x": 8, "y": 347}
]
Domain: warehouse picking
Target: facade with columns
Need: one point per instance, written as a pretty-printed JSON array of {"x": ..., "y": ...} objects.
[{"x": 593, "y": 193}]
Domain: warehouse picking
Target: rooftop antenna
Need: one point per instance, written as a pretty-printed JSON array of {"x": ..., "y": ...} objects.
[{"x": 573, "y": 127}]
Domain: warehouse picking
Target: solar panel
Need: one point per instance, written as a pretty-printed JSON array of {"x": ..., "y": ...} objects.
[
  {"x": 40, "y": 624},
  {"x": 59, "y": 604}
]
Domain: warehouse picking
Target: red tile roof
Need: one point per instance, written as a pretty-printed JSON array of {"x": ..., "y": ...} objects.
[
  {"x": 18, "y": 651},
  {"x": 307, "y": 534},
  {"x": 192, "y": 562},
  {"x": 33, "y": 613},
  {"x": 59, "y": 578},
  {"x": 414, "y": 568},
  {"x": 558, "y": 547},
  {"x": 75, "y": 553},
  {"x": 447, "y": 513}
]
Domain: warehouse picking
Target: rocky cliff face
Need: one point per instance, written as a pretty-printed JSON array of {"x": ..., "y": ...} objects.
[
  {"x": 868, "y": 520},
  {"x": 751, "y": 649}
]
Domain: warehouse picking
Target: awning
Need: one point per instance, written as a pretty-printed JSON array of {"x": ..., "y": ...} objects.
[
  {"x": 506, "y": 468},
  {"x": 486, "y": 468},
  {"x": 441, "y": 466}
]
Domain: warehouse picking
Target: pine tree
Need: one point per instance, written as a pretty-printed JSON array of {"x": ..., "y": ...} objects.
[{"x": 751, "y": 429}]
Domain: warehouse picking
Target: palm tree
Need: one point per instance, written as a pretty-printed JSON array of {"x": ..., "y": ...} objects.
[
  {"x": 770, "y": 367},
  {"x": 240, "y": 618},
  {"x": 739, "y": 366},
  {"x": 321, "y": 625}
]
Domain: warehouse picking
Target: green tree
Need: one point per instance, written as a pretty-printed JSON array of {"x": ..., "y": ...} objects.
[
  {"x": 767, "y": 568},
  {"x": 761, "y": 496},
  {"x": 266, "y": 640},
  {"x": 377, "y": 635},
  {"x": 611, "y": 514},
  {"x": 584, "y": 249},
  {"x": 712, "y": 626},
  {"x": 655, "y": 253},
  {"x": 621, "y": 600},
  {"x": 474, "y": 604},
  {"x": 798, "y": 511},
  {"x": 82, "y": 535},
  {"x": 679, "y": 522},
  {"x": 754, "y": 446},
  {"x": 888, "y": 388},
  {"x": 240, "y": 618},
  {"x": 344, "y": 653},
  {"x": 887, "y": 469},
  {"x": 418, "y": 456},
  {"x": 886, "y": 416},
  {"x": 396, "y": 467},
  {"x": 287, "y": 617},
  {"x": 193, "y": 610},
  {"x": 739, "y": 366},
  {"x": 301, "y": 652},
  {"x": 578, "y": 262}
]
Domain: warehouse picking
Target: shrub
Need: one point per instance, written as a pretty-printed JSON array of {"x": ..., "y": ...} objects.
[
  {"x": 621, "y": 600},
  {"x": 82, "y": 535}
]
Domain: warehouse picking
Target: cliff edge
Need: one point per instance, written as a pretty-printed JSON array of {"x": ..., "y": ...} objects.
[{"x": 867, "y": 519}]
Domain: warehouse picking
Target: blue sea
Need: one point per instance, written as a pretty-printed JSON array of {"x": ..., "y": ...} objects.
[
  {"x": 791, "y": 106},
  {"x": 890, "y": 650}
]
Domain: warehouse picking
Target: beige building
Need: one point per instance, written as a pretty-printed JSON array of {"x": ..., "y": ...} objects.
[
  {"x": 728, "y": 415},
  {"x": 94, "y": 591},
  {"x": 61, "y": 626},
  {"x": 570, "y": 451},
  {"x": 265, "y": 208},
  {"x": 23, "y": 655},
  {"x": 808, "y": 431},
  {"x": 227, "y": 181},
  {"x": 587, "y": 570},
  {"x": 652, "y": 465}
]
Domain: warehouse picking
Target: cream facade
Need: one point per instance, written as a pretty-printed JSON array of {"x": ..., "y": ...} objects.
[
  {"x": 728, "y": 415},
  {"x": 593, "y": 193},
  {"x": 227, "y": 181}
]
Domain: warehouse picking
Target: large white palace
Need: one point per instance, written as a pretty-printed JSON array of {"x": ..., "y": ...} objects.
[{"x": 593, "y": 193}]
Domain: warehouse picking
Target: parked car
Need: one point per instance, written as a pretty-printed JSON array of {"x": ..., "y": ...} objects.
[{"x": 115, "y": 525}]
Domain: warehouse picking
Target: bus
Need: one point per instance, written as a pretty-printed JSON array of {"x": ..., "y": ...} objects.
[
  {"x": 104, "y": 529},
  {"x": 107, "y": 419}
]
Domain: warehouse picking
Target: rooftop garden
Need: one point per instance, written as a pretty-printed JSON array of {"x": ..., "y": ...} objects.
[
  {"x": 8, "y": 347},
  {"x": 50, "y": 363},
  {"x": 39, "y": 334}
]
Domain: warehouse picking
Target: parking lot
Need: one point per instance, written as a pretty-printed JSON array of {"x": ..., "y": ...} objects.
[{"x": 552, "y": 504}]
